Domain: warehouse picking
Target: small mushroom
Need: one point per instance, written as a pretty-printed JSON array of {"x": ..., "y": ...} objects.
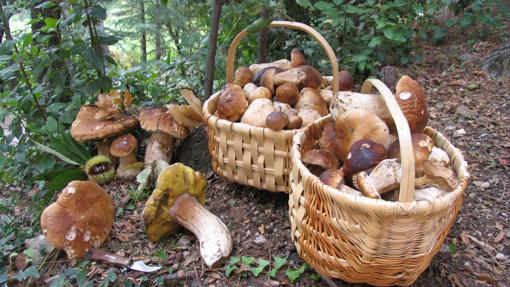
[
  {"x": 243, "y": 76},
  {"x": 257, "y": 112},
  {"x": 333, "y": 177},
  {"x": 287, "y": 93},
  {"x": 80, "y": 219},
  {"x": 297, "y": 58},
  {"x": 329, "y": 140},
  {"x": 413, "y": 103},
  {"x": 124, "y": 147},
  {"x": 302, "y": 76},
  {"x": 311, "y": 99},
  {"x": 345, "y": 81},
  {"x": 364, "y": 154},
  {"x": 282, "y": 64},
  {"x": 319, "y": 160},
  {"x": 295, "y": 121},
  {"x": 277, "y": 120},
  {"x": 259, "y": 93},
  {"x": 354, "y": 125},
  {"x": 177, "y": 201},
  {"x": 231, "y": 103}
]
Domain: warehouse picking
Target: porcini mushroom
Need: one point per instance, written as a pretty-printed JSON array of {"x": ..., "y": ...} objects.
[
  {"x": 80, "y": 219},
  {"x": 177, "y": 200},
  {"x": 308, "y": 116},
  {"x": 231, "y": 103},
  {"x": 257, "y": 93},
  {"x": 296, "y": 58},
  {"x": 354, "y": 125},
  {"x": 282, "y": 64},
  {"x": 295, "y": 121},
  {"x": 345, "y": 81},
  {"x": 243, "y": 76},
  {"x": 87, "y": 128},
  {"x": 319, "y": 160},
  {"x": 329, "y": 140},
  {"x": 266, "y": 80},
  {"x": 257, "y": 112},
  {"x": 302, "y": 76},
  {"x": 345, "y": 101},
  {"x": 333, "y": 177},
  {"x": 413, "y": 103},
  {"x": 311, "y": 99},
  {"x": 124, "y": 147},
  {"x": 364, "y": 154},
  {"x": 277, "y": 120},
  {"x": 422, "y": 147},
  {"x": 287, "y": 93}
]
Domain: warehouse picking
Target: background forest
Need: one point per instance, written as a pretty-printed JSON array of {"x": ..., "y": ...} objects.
[{"x": 58, "y": 55}]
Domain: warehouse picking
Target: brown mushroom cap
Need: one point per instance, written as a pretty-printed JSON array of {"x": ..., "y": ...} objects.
[
  {"x": 123, "y": 145},
  {"x": 257, "y": 112},
  {"x": 259, "y": 93},
  {"x": 160, "y": 120},
  {"x": 267, "y": 79},
  {"x": 422, "y": 147},
  {"x": 297, "y": 58},
  {"x": 345, "y": 81},
  {"x": 318, "y": 160},
  {"x": 332, "y": 177},
  {"x": 354, "y": 125},
  {"x": 295, "y": 121},
  {"x": 173, "y": 181},
  {"x": 80, "y": 219},
  {"x": 277, "y": 120},
  {"x": 87, "y": 128},
  {"x": 302, "y": 76},
  {"x": 311, "y": 99},
  {"x": 329, "y": 141},
  {"x": 287, "y": 93},
  {"x": 243, "y": 76},
  {"x": 231, "y": 103},
  {"x": 364, "y": 154},
  {"x": 413, "y": 103}
]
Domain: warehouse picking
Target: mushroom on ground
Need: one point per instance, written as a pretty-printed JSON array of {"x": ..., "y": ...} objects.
[
  {"x": 319, "y": 160},
  {"x": 364, "y": 154},
  {"x": 295, "y": 121},
  {"x": 311, "y": 99},
  {"x": 86, "y": 127},
  {"x": 282, "y": 64},
  {"x": 257, "y": 112},
  {"x": 80, "y": 219},
  {"x": 177, "y": 200},
  {"x": 124, "y": 147},
  {"x": 277, "y": 120},
  {"x": 297, "y": 58},
  {"x": 231, "y": 103},
  {"x": 302, "y": 76},
  {"x": 287, "y": 93},
  {"x": 411, "y": 98},
  {"x": 354, "y": 125},
  {"x": 243, "y": 76}
]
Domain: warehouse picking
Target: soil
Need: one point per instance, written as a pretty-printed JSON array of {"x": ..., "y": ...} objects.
[{"x": 476, "y": 252}]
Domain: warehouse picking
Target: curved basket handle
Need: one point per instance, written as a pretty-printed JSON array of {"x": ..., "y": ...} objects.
[
  {"x": 404, "y": 136},
  {"x": 292, "y": 25}
]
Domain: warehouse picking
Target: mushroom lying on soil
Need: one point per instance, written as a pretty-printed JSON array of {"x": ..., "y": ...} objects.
[
  {"x": 124, "y": 147},
  {"x": 177, "y": 200},
  {"x": 80, "y": 219}
]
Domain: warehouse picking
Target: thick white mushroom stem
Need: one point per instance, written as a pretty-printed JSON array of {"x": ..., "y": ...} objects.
[
  {"x": 103, "y": 148},
  {"x": 126, "y": 169},
  {"x": 159, "y": 147},
  {"x": 282, "y": 64},
  {"x": 212, "y": 233}
]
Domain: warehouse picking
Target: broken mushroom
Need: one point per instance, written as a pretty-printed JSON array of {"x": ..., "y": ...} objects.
[
  {"x": 80, "y": 219},
  {"x": 177, "y": 201}
]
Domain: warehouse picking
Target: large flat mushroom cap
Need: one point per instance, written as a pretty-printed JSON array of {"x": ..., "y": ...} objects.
[
  {"x": 160, "y": 120},
  {"x": 80, "y": 219},
  {"x": 87, "y": 128},
  {"x": 175, "y": 180}
]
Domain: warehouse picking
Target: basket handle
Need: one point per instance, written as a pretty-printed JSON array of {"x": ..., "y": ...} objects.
[
  {"x": 292, "y": 25},
  {"x": 404, "y": 136}
]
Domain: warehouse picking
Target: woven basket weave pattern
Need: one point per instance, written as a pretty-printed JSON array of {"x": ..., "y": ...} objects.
[{"x": 361, "y": 240}]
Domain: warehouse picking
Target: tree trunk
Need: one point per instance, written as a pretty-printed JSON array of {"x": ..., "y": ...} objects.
[
  {"x": 143, "y": 41},
  {"x": 211, "y": 51},
  {"x": 158, "y": 30},
  {"x": 263, "y": 38}
]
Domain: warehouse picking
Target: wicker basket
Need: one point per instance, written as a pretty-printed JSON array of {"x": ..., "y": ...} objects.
[
  {"x": 363, "y": 240},
  {"x": 251, "y": 155}
]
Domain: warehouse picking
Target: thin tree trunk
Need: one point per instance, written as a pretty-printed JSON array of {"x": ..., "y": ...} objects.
[
  {"x": 211, "y": 51},
  {"x": 143, "y": 41},
  {"x": 158, "y": 30},
  {"x": 263, "y": 38}
]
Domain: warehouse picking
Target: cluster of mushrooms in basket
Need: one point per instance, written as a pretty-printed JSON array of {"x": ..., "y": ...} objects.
[
  {"x": 279, "y": 95},
  {"x": 359, "y": 150}
]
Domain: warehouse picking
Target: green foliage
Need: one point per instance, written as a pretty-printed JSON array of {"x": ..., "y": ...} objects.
[
  {"x": 278, "y": 262},
  {"x": 294, "y": 274}
]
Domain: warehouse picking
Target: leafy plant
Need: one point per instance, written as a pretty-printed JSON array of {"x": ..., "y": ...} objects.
[
  {"x": 262, "y": 263},
  {"x": 231, "y": 265},
  {"x": 294, "y": 274},
  {"x": 278, "y": 262}
]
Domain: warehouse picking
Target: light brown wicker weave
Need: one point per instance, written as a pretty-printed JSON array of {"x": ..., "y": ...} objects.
[
  {"x": 251, "y": 155},
  {"x": 363, "y": 240}
]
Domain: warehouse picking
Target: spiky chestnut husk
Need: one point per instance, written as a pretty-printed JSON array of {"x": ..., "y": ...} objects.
[{"x": 100, "y": 169}]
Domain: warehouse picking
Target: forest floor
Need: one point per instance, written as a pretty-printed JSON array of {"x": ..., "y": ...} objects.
[{"x": 472, "y": 111}]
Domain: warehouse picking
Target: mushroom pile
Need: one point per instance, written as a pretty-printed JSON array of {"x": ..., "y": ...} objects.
[
  {"x": 279, "y": 95},
  {"x": 360, "y": 149}
]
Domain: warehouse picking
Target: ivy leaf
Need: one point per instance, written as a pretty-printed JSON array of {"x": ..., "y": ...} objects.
[
  {"x": 231, "y": 265},
  {"x": 262, "y": 264},
  {"x": 29, "y": 272},
  {"x": 247, "y": 260},
  {"x": 293, "y": 275},
  {"x": 278, "y": 263}
]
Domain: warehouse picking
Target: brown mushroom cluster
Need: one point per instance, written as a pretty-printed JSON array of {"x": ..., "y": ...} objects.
[
  {"x": 360, "y": 147},
  {"x": 279, "y": 95}
]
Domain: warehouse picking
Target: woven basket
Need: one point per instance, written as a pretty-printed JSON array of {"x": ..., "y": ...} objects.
[
  {"x": 255, "y": 156},
  {"x": 363, "y": 240}
]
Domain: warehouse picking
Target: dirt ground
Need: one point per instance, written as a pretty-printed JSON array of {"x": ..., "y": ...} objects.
[{"x": 472, "y": 111}]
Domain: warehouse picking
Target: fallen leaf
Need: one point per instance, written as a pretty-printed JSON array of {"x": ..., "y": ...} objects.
[
  {"x": 262, "y": 229},
  {"x": 465, "y": 238}
]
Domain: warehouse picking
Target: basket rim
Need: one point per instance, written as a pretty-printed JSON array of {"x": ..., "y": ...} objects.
[
  {"x": 236, "y": 125},
  {"x": 380, "y": 205}
]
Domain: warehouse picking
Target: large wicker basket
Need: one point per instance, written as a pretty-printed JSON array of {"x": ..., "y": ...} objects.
[
  {"x": 363, "y": 240},
  {"x": 251, "y": 155}
]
